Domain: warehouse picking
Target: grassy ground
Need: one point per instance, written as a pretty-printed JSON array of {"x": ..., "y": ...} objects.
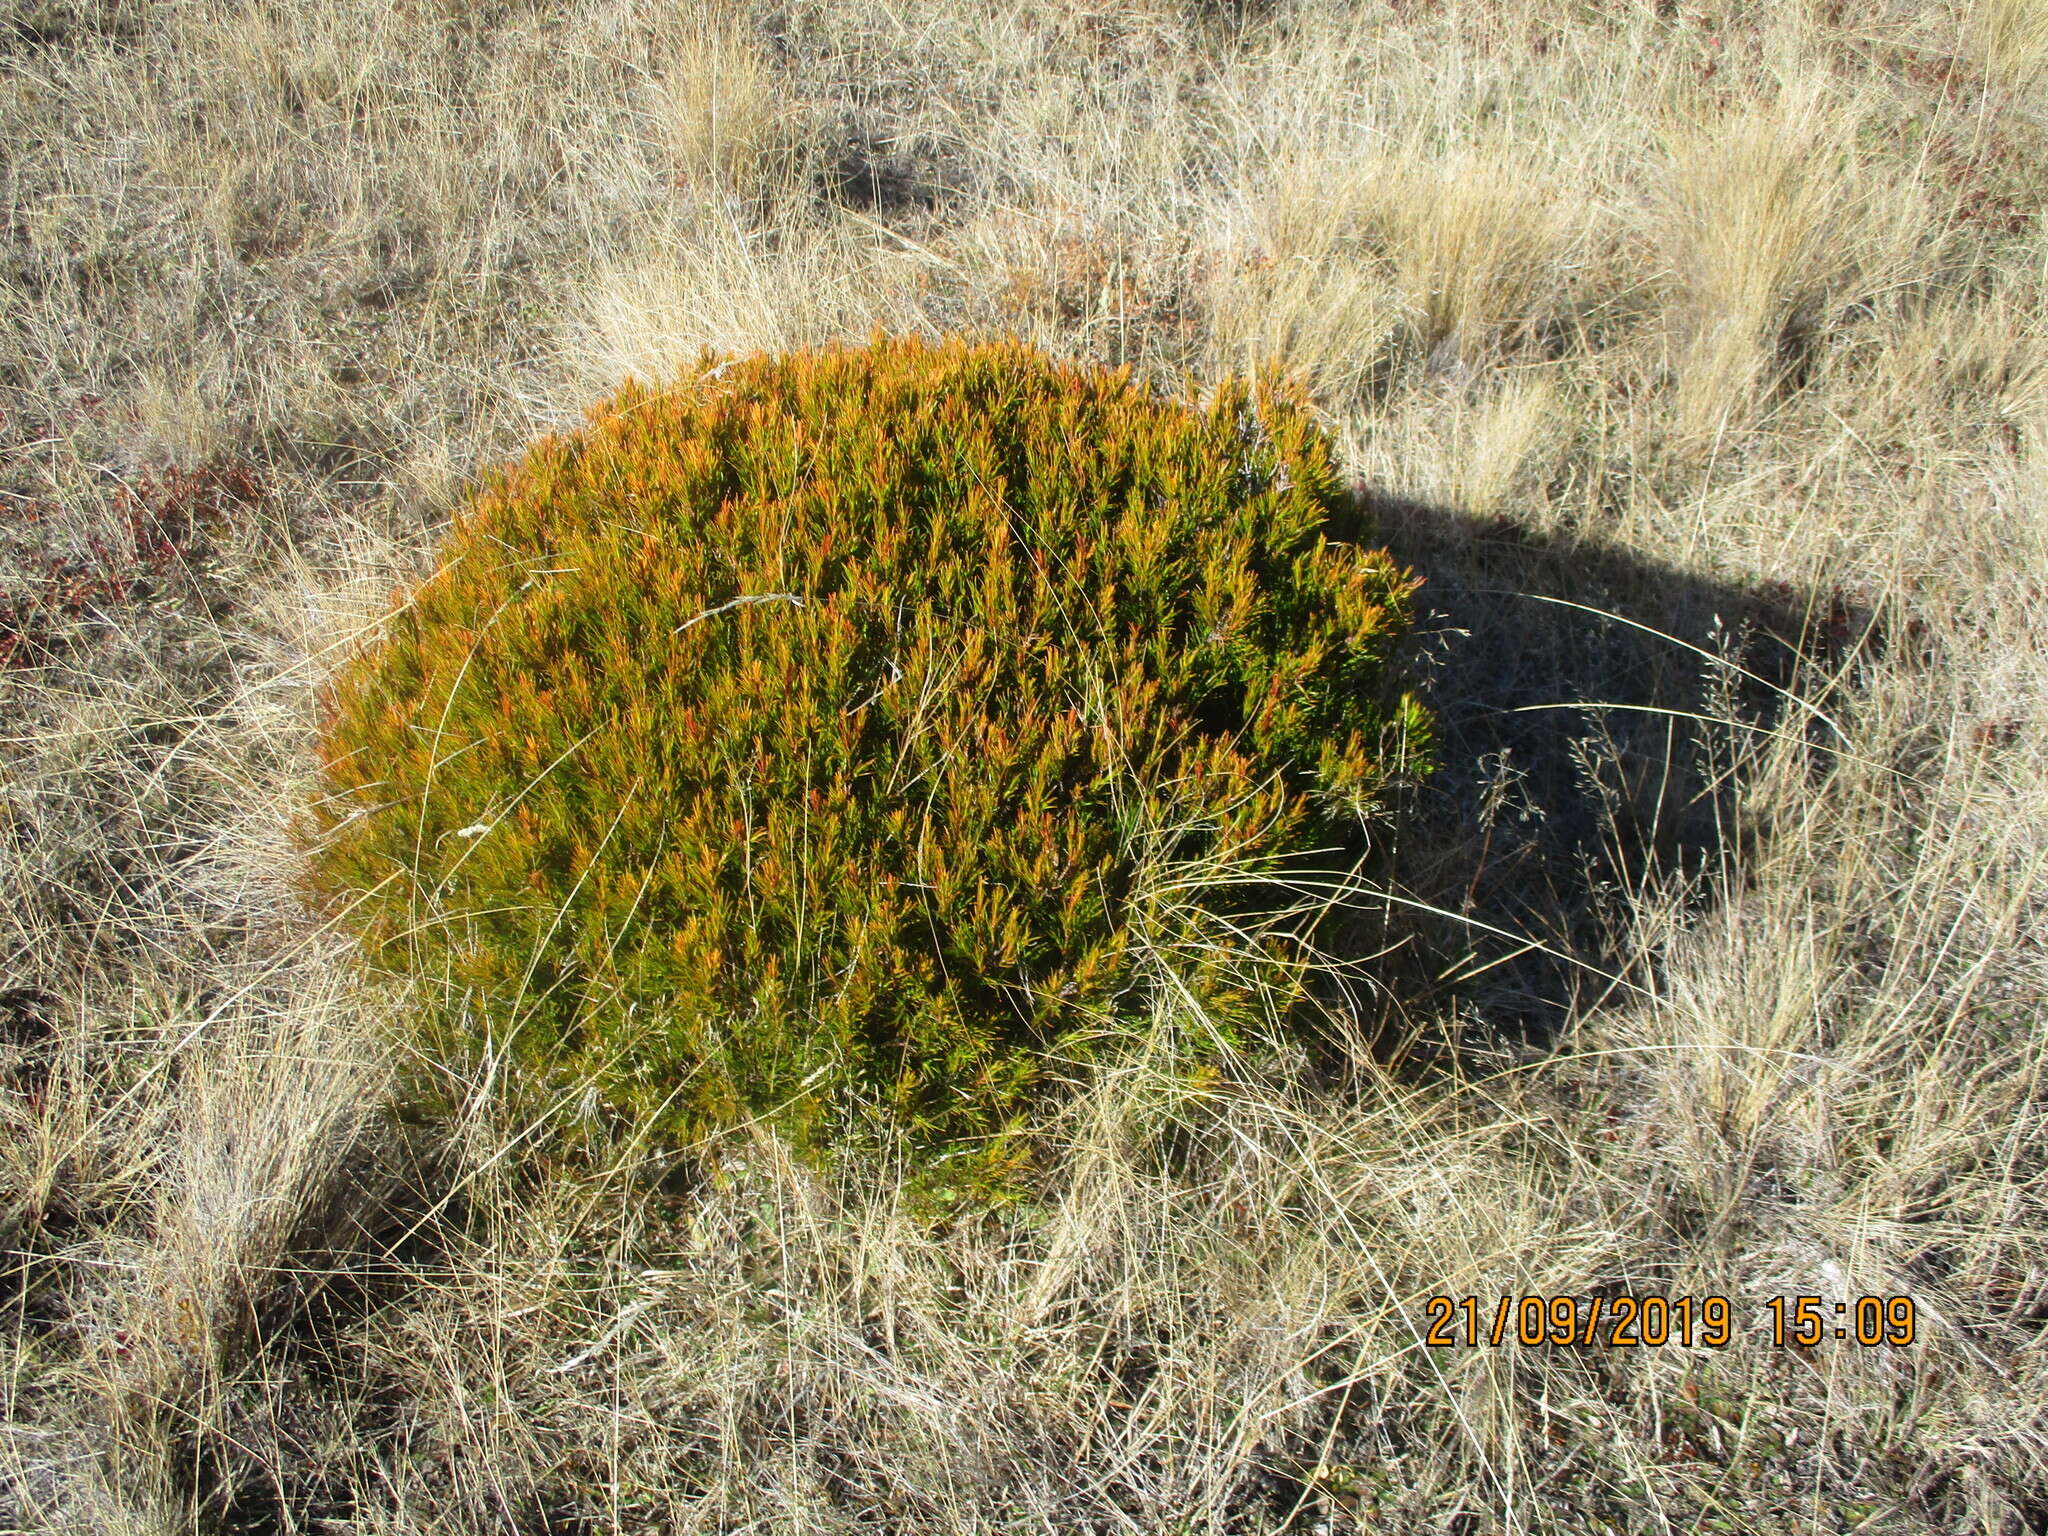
[{"x": 1648, "y": 328}]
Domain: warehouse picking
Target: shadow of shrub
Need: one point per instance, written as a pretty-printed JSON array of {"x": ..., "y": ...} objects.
[{"x": 1595, "y": 711}]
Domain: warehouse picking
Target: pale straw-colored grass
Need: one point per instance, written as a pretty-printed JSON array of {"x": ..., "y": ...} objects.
[{"x": 1635, "y": 324}]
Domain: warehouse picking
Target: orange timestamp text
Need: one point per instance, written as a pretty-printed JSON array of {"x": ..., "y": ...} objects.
[{"x": 1652, "y": 1322}]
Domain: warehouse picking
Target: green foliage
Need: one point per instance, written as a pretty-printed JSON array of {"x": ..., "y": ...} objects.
[{"x": 785, "y": 741}]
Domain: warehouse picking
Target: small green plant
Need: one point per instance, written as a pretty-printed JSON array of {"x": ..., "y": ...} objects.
[{"x": 786, "y": 742}]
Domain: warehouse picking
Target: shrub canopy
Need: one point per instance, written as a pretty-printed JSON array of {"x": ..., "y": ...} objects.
[{"x": 787, "y": 741}]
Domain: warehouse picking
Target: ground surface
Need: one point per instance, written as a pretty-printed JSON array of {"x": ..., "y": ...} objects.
[{"x": 1651, "y": 331}]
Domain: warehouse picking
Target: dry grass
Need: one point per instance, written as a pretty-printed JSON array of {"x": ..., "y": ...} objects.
[
  {"x": 1638, "y": 323},
  {"x": 2014, "y": 37},
  {"x": 728, "y": 128}
]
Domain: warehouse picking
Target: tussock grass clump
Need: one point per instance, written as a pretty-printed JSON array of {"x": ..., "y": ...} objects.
[
  {"x": 725, "y": 125},
  {"x": 794, "y": 740}
]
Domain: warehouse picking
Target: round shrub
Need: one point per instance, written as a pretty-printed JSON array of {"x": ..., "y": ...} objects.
[{"x": 787, "y": 742}]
